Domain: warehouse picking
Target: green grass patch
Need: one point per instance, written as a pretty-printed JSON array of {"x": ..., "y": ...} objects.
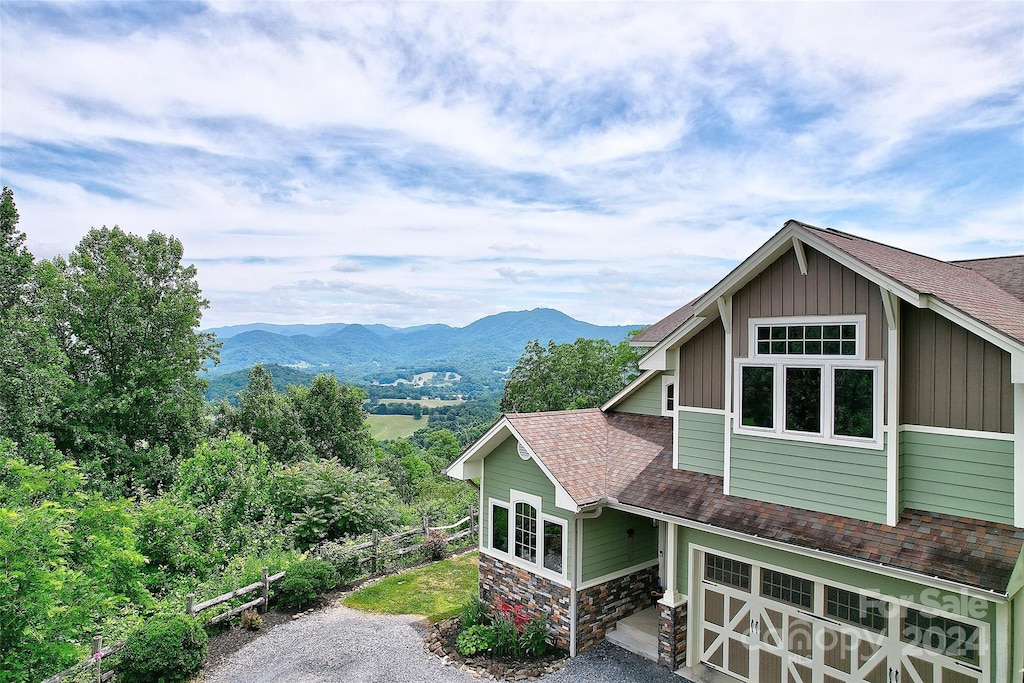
[
  {"x": 385, "y": 427},
  {"x": 437, "y": 590}
]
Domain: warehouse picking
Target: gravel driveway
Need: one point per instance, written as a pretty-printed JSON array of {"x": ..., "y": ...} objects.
[{"x": 339, "y": 644}]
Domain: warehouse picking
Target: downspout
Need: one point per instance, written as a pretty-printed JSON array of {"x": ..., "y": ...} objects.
[{"x": 593, "y": 511}]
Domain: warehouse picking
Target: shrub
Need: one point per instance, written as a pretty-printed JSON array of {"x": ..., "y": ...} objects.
[
  {"x": 435, "y": 545},
  {"x": 168, "y": 648},
  {"x": 477, "y": 638},
  {"x": 474, "y": 612},
  {"x": 342, "y": 556},
  {"x": 534, "y": 638},
  {"x": 304, "y": 581},
  {"x": 251, "y": 620}
]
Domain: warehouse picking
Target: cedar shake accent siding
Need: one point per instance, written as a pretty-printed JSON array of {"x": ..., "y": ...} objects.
[
  {"x": 828, "y": 289},
  {"x": 702, "y": 369},
  {"x": 951, "y": 377}
]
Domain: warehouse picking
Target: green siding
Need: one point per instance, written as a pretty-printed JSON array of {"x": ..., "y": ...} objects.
[
  {"x": 820, "y": 477},
  {"x": 701, "y": 441},
  {"x": 958, "y": 475},
  {"x": 644, "y": 401},
  {"x": 955, "y": 603},
  {"x": 606, "y": 548},
  {"x": 505, "y": 470}
]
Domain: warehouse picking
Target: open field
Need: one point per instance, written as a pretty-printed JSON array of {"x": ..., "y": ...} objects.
[
  {"x": 425, "y": 402},
  {"x": 385, "y": 427}
]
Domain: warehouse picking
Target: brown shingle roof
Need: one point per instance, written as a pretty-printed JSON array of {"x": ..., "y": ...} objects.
[
  {"x": 965, "y": 289},
  {"x": 989, "y": 290},
  {"x": 629, "y": 457},
  {"x": 1005, "y": 271}
]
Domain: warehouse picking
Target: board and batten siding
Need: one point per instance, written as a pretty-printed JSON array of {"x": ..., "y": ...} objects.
[
  {"x": 829, "y": 288},
  {"x": 505, "y": 470},
  {"x": 967, "y": 476},
  {"x": 607, "y": 547},
  {"x": 701, "y": 438},
  {"x": 702, "y": 369},
  {"x": 644, "y": 401},
  {"x": 829, "y": 478},
  {"x": 952, "y": 378}
]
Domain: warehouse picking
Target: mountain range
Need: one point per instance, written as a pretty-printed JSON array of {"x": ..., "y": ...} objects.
[{"x": 381, "y": 354}]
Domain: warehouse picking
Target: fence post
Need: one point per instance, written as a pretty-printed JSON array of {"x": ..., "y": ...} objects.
[
  {"x": 426, "y": 526},
  {"x": 266, "y": 590},
  {"x": 376, "y": 542},
  {"x": 97, "y": 646},
  {"x": 190, "y": 604},
  {"x": 472, "y": 527}
]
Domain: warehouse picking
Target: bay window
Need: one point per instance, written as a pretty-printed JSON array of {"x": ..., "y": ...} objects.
[{"x": 807, "y": 379}]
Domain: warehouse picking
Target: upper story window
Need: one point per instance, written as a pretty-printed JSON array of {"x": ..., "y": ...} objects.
[{"x": 807, "y": 379}]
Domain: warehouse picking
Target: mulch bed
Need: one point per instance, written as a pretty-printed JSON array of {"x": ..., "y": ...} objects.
[{"x": 441, "y": 642}]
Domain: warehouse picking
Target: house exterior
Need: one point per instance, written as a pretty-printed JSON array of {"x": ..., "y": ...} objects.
[{"x": 818, "y": 477}]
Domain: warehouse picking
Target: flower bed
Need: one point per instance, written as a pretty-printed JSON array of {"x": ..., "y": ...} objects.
[{"x": 441, "y": 642}]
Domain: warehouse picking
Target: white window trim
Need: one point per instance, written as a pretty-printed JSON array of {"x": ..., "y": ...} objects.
[
  {"x": 859, "y": 320},
  {"x": 666, "y": 382},
  {"x": 828, "y": 366},
  {"x": 534, "y": 567}
]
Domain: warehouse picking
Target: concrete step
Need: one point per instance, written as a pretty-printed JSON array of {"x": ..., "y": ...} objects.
[{"x": 634, "y": 640}]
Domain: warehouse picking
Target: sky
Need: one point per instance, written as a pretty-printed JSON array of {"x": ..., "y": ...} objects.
[{"x": 412, "y": 163}]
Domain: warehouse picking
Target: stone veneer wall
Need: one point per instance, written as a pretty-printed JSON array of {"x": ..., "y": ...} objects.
[
  {"x": 672, "y": 636},
  {"x": 505, "y": 581},
  {"x": 600, "y": 606}
]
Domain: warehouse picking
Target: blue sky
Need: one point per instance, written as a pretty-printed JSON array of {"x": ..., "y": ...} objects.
[{"x": 413, "y": 163}]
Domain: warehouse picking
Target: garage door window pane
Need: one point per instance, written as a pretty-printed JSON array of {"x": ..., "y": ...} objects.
[
  {"x": 857, "y": 609},
  {"x": 787, "y": 588},
  {"x": 948, "y": 636},
  {"x": 727, "y": 571}
]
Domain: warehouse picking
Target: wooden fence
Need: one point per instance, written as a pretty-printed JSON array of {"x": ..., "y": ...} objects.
[{"x": 406, "y": 542}]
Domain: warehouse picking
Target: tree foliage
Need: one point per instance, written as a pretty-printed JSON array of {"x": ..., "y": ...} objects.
[
  {"x": 31, "y": 363},
  {"x": 126, "y": 310},
  {"x": 583, "y": 374}
]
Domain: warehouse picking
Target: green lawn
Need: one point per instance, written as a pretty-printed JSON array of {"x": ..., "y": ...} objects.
[
  {"x": 385, "y": 427},
  {"x": 437, "y": 590}
]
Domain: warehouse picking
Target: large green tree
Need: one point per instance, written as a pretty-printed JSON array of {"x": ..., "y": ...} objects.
[
  {"x": 126, "y": 312},
  {"x": 32, "y": 366},
  {"x": 267, "y": 417},
  {"x": 583, "y": 374},
  {"x": 333, "y": 420}
]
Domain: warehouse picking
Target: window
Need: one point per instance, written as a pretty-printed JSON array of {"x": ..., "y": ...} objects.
[
  {"x": 854, "y": 608},
  {"x": 499, "y": 527},
  {"x": 522, "y": 532},
  {"x": 668, "y": 395},
  {"x": 526, "y": 532},
  {"x": 807, "y": 379},
  {"x": 553, "y": 534},
  {"x": 787, "y": 588},
  {"x": 727, "y": 570},
  {"x": 942, "y": 634}
]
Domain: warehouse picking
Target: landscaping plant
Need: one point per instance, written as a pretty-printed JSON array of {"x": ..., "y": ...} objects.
[
  {"x": 435, "y": 545},
  {"x": 305, "y": 581},
  {"x": 475, "y": 639},
  {"x": 169, "y": 648}
]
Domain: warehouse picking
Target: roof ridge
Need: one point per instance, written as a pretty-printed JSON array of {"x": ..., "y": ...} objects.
[
  {"x": 985, "y": 258},
  {"x": 858, "y": 238}
]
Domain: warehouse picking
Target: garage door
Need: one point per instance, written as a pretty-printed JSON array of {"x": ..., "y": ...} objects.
[{"x": 764, "y": 625}]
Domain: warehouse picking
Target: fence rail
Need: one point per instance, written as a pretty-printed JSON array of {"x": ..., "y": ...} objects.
[{"x": 377, "y": 560}]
